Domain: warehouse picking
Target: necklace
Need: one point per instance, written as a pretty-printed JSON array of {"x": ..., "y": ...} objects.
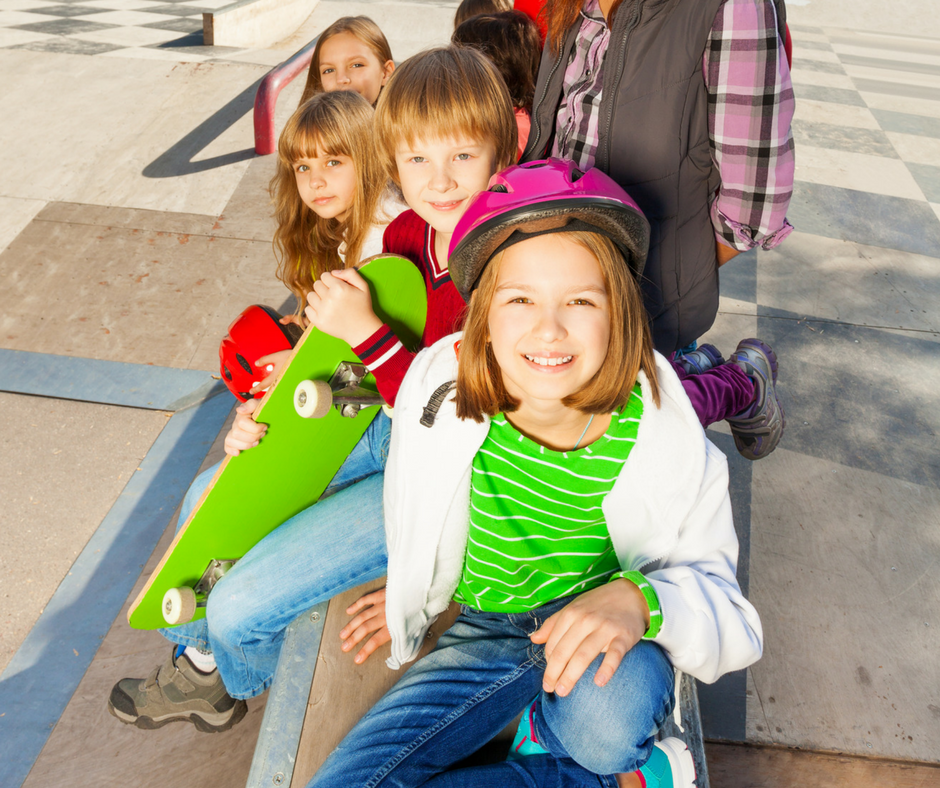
[{"x": 584, "y": 433}]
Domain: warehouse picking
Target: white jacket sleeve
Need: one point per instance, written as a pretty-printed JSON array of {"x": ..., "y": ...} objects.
[{"x": 709, "y": 628}]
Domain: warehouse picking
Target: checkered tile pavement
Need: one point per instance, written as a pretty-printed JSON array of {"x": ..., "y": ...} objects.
[
  {"x": 128, "y": 28},
  {"x": 867, "y": 133}
]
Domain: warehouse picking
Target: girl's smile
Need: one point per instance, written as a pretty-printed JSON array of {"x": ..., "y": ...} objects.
[
  {"x": 549, "y": 321},
  {"x": 549, "y": 360}
]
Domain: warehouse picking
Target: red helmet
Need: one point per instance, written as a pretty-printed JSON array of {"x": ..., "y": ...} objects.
[
  {"x": 539, "y": 197},
  {"x": 256, "y": 332}
]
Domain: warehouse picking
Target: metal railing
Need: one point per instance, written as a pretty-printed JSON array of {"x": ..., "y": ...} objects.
[{"x": 266, "y": 98}]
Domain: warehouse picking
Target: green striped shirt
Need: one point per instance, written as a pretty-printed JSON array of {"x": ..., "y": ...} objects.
[{"x": 537, "y": 531}]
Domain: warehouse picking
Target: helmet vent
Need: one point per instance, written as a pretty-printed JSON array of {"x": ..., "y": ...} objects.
[
  {"x": 499, "y": 189},
  {"x": 576, "y": 175},
  {"x": 244, "y": 363}
]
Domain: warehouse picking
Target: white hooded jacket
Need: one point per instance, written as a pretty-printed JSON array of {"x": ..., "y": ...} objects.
[{"x": 669, "y": 516}]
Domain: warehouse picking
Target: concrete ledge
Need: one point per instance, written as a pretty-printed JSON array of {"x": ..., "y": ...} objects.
[{"x": 254, "y": 23}]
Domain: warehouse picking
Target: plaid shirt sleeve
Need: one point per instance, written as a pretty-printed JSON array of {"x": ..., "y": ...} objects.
[{"x": 750, "y": 107}]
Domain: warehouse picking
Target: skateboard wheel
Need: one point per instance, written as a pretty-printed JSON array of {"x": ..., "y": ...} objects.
[
  {"x": 313, "y": 399},
  {"x": 389, "y": 410},
  {"x": 179, "y": 605}
]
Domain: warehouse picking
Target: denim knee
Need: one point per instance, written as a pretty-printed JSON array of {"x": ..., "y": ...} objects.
[
  {"x": 226, "y": 614},
  {"x": 610, "y": 729}
]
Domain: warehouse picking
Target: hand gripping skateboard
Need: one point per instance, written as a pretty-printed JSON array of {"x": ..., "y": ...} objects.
[{"x": 316, "y": 412}]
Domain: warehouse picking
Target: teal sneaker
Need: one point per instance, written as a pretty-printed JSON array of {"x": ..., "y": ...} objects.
[
  {"x": 526, "y": 742},
  {"x": 670, "y": 766}
]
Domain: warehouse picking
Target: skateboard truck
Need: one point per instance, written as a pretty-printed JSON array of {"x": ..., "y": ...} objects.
[
  {"x": 314, "y": 398},
  {"x": 179, "y": 604}
]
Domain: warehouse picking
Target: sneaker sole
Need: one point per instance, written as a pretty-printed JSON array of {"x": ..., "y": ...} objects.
[
  {"x": 680, "y": 762},
  {"x": 223, "y": 722}
]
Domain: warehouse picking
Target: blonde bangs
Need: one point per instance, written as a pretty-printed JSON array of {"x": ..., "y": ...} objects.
[
  {"x": 446, "y": 92},
  {"x": 330, "y": 124}
]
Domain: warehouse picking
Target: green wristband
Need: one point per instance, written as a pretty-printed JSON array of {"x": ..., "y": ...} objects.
[{"x": 649, "y": 594}]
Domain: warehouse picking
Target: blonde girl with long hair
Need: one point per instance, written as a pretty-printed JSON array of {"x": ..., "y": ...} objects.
[
  {"x": 331, "y": 209},
  {"x": 351, "y": 54},
  {"x": 330, "y": 191}
]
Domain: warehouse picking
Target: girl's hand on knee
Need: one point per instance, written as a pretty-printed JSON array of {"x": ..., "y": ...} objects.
[
  {"x": 246, "y": 433},
  {"x": 608, "y": 620},
  {"x": 370, "y": 620},
  {"x": 340, "y": 305},
  {"x": 276, "y": 362}
]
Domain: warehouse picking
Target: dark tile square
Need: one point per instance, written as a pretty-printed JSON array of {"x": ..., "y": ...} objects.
[
  {"x": 905, "y": 123},
  {"x": 739, "y": 281},
  {"x": 67, "y": 10},
  {"x": 833, "y": 95},
  {"x": 923, "y": 92},
  {"x": 178, "y": 24},
  {"x": 893, "y": 65},
  {"x": 921, "y": 46},
  {"x": 833, "y": 137},
  {"x": 181, "y": 10},
  {"x": 866, "y": 218},
  {"x": 64, "y": 27},
  {"x": 819, "y": 66},
  {"x": 928, "y": 178},
  {"x": 848, "y": 396},
  {"x": 69, "y": 46},
  {"x": 823, "y": 46}
]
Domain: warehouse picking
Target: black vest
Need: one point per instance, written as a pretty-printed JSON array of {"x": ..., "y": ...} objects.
[{"x": 654, "y": 142}]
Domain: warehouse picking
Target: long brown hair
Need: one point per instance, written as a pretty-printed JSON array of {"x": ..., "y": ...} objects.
[
  {"x": 471, "y": 8},
  {"x": 560, "y": 15},
  {"x": 332, "y": 124},
  {"x": 361, "y": 27},
  {"x": 480, "y": 387},
  {"x": 511, "y": 40}
]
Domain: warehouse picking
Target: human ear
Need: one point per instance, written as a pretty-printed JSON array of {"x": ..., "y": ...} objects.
[{"x": 387, "y": 69}]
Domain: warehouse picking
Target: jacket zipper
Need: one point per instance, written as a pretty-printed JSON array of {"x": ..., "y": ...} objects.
[
  {"x": 538, "y": 126},
  {"x": 657, "y": 558},
  {"x": 604, "y": 166}
]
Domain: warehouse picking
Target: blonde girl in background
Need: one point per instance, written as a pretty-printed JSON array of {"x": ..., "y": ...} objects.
[{"x": 351, "y": 54}]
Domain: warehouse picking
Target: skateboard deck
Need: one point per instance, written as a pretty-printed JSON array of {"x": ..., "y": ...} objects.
[{"x": 255, "y": 492}]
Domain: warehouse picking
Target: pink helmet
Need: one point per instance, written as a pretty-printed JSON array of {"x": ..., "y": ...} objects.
[
  {"x": 254, "y": 333},
  {"x": 539, "y": 197}
]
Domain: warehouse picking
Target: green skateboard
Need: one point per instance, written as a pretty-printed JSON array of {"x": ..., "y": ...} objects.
[{"x": 310, "y": 433}]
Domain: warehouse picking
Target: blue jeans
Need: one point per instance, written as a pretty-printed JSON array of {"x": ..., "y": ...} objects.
[
  {"x": 334, "y": 545},
  {"x": 482, "y": 673}
]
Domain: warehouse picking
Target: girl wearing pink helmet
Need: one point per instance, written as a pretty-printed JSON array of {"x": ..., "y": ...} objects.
[{"x": 548, "y": 473}]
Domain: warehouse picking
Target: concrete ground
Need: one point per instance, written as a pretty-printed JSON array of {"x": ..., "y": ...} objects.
[{"x": 134, "y": 225}]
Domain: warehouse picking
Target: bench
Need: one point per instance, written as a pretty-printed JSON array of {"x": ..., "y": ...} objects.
[{"x": 318, "y": 694}]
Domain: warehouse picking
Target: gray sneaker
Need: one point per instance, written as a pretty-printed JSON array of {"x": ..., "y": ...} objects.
[
  {"x": 176, "y": 691},
  {"x": 757, "y": 429}
]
